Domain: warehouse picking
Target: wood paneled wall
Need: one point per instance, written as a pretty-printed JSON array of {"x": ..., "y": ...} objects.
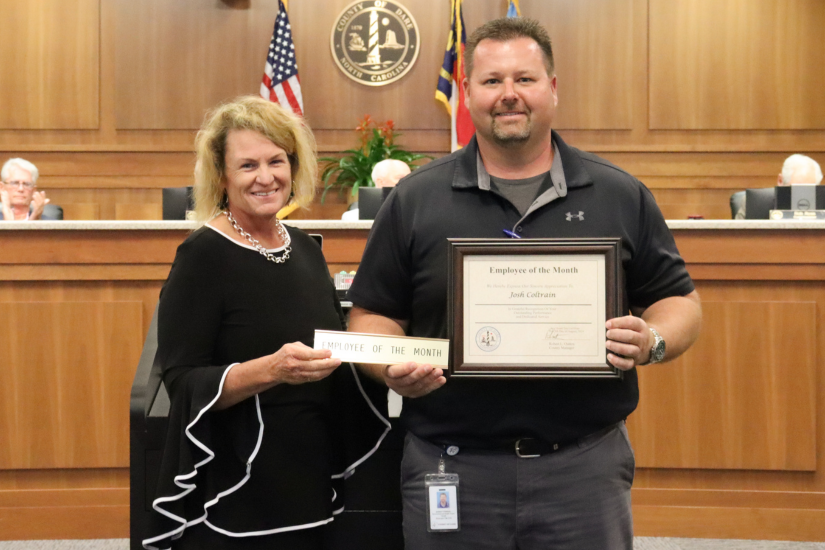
[
  {"x": 105, "y": 95},
  {"x": 78, "y": 412},
  {"x": 50, "y": 53},
  {"x": 175, "y": 59},
  {"x": 736, "y": 65},
  {"x": 743, "y": 398},
  {"x": 730, "y": 442},
  {"x": 75, "y": 308}
]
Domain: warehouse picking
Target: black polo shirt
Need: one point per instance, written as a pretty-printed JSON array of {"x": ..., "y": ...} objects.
[{"x": 403, "y": 275}]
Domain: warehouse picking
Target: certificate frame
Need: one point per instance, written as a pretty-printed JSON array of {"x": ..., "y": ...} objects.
[{"x": 462, "y": 365}]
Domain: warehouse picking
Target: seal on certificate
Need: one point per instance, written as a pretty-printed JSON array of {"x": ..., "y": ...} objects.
[{"x": 488, "y": 339}]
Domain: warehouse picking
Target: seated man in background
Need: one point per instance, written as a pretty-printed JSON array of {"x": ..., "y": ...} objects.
[
  {"x": 19, "y": 199},
  {"x": 799, "y": 169},
  {"x": 796, "y": 169},
  {"x": 388, "y": 172},
  {"x": 385, "y": 174}
]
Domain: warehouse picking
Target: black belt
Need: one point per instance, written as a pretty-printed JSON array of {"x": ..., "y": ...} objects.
[{"x": 529, "y": 447}]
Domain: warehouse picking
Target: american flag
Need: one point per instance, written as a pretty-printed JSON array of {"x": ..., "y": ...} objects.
[{"x": 281, "y": 83}]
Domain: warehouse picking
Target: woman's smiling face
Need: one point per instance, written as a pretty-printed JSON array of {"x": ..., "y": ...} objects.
[{"x": 258, "y": 178}]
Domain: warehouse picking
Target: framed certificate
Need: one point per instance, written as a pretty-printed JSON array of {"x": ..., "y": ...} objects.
[{"x": 533, "y": 307}]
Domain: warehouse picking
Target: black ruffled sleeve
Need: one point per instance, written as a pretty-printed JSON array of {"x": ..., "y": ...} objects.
[{"x": 189, "y": 317}]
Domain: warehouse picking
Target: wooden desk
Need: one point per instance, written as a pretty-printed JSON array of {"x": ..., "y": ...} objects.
[{"x": 726, "y": 438}]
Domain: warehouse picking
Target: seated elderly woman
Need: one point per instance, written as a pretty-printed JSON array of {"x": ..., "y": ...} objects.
[
  {"x": 19, "y": 199},
  {"x": 257, "y": 419}
]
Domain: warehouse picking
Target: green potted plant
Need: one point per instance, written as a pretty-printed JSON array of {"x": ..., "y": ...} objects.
[{"x": 354, "y": 168}]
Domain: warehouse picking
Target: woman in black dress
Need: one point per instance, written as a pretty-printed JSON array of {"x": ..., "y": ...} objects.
[{"x": 255, "y": 437}]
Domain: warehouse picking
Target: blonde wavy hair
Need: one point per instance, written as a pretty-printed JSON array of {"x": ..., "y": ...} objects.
[{"x": 279, "y": 125}]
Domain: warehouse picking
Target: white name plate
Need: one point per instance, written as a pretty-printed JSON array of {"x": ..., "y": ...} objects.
[{"x": 378, "y": 349}]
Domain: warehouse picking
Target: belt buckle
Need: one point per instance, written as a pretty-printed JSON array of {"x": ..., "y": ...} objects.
[{"x": 518, "y": 450}]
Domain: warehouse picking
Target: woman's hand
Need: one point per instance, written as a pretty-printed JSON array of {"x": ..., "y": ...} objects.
[
  {"x": 297, "y": 363},
  {"x": 294, "y": 364}
]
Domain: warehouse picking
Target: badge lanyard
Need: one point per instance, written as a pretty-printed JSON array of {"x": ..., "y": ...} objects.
[{"x": 442, "y": 500}]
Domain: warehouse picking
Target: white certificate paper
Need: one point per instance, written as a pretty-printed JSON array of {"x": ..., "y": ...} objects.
[{"x": 535, "y": 309}]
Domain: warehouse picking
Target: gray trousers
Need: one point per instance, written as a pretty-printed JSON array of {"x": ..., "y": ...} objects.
[{"x": 574, "y": 499}]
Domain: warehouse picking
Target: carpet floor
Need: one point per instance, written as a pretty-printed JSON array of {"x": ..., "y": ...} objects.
[{"x": 641, "y": 543}]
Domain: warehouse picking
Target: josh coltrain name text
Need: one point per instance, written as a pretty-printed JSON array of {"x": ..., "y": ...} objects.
[
  {"x": 360, "y": 347},
  {"x": 523, "y": 294}
]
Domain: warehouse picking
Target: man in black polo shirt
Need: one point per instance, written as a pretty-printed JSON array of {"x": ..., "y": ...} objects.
[{"x": 518, "y": 175}]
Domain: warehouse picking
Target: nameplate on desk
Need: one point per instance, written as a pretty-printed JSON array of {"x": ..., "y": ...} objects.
[
  {"x": 797, "y": 215},
  {"x": 378, "y": 349}
]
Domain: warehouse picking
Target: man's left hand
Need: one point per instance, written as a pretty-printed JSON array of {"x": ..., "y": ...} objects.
[
  {"x": 677, "y": 318},
  {"x": 39, "y": 200},
  {"x": 630, "y": 340}
]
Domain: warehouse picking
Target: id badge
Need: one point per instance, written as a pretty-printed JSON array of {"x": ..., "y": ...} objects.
[{"x": 442, "y": 502}]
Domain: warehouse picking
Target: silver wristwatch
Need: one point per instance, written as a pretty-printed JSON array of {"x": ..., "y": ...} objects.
[{"x": 657, "y": 352}]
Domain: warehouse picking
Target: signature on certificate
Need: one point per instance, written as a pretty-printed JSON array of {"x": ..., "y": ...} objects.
[{"x": 566, "y": 334}]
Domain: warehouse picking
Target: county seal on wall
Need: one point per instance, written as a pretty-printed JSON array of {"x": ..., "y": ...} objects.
[{"x": 375, "y": 42}]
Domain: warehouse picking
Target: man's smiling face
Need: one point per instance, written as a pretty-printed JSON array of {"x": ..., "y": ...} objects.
[{"x": 510, "y": 96}]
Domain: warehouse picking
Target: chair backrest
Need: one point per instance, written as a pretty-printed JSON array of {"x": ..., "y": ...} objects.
[
  {"x": 52, "y": 212},
  {"x": 759, "y": 203},
  {"x": 737, "y": 201},
  {"x": 176, "y": 201},
  {"x": 370, "y": 200}
]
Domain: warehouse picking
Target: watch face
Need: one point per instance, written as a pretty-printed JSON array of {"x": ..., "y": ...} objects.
[{"x": 658, "y": 351}]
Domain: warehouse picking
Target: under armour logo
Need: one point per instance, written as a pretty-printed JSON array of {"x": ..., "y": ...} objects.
[{"x": 579, "y": 216}]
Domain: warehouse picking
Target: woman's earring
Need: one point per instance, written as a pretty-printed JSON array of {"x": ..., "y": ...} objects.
[{"x": 224, "y": 201}]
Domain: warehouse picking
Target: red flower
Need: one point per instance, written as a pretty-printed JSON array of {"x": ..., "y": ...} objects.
[
  {"x": 388, "y": 132},
  {"x": 364, "y": 127}
]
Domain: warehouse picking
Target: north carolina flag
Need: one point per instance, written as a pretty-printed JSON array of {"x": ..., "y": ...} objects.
[
  {"x": 450, "y": 89},
  {"x": 513, "y": 9},
  {"x": 281, "y": 83}
]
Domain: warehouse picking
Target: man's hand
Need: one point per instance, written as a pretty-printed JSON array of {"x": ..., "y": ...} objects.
[
  {"x": 413, "y": 379},
  {"x": 677, "y": 318},
  {"x": 39, "y": 200},
  {"x": 406, "y": 379},
  {"x": 630, "y": 340},
  {"x": 8, "y": 213}
]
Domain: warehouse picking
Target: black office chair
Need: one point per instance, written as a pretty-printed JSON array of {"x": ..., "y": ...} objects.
[
  {"x": 737, "y": 201},
  {"x": 148, "y": 421},
  {"x": 176, "y": 201},
  {"x": 370, "y": 200},
  {"x": 759, "y": 203},
  {"x": 52, "y": 212}
]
